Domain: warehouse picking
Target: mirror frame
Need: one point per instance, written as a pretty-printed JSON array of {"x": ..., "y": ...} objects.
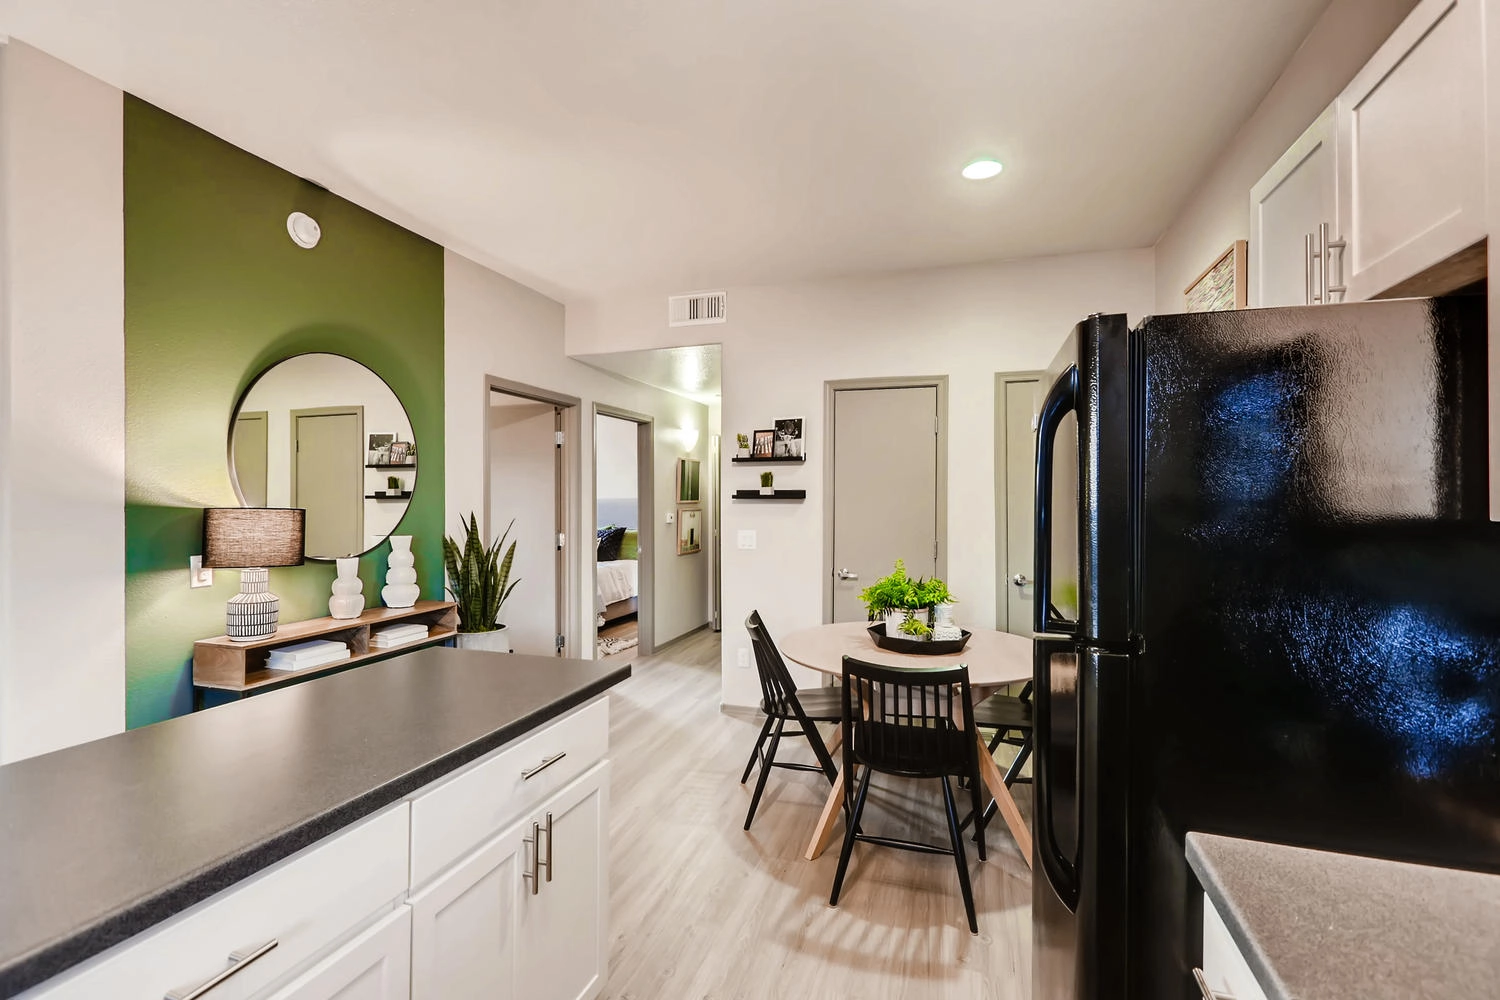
[{"x": 239, "y": 403}]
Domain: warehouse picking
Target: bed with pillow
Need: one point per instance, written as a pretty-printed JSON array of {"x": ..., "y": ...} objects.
[{"x": 617, "y": 558}]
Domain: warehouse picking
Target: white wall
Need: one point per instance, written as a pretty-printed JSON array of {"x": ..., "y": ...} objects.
[
  {"x": 615, "y": 458},
  {"x": 62, "y": 406},
  {"x": 783, "y": 342},
  {"x": 523, "y": 488},
  {"x": 1340, "y": 43},
  {"x": 495, "y": 326}
]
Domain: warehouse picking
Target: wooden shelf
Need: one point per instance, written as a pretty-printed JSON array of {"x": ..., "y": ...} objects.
[
  {"x": 778, "y": 495},
  {"x": 404, "y": 465},
  {"x": 406, "y": 495},
  {"x": 226, "y": 665},
  {"x": 769, "y": 461}
]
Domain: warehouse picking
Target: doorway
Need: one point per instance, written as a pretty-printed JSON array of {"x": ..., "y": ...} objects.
[
  {"x": 328, "y": 477},
  {"x": 528, "y": 491},
  {"x": 625, "y": 533},
  {"x": 886, "y": 479},
  {"x": 1017, "y": 397}
]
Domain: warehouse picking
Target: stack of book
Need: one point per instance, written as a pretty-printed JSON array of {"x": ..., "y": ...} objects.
[
  {"x": 397, "y": 635},
  {"x": 313, "y": 653}
]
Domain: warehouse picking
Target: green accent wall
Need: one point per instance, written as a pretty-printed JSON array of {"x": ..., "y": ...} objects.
[{"x": 215, "y": 292}]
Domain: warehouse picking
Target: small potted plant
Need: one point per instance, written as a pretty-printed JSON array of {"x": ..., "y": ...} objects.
[
  {"x": 766, "y": 487},
  {"x": 479, "y": 582},
  {"x": 742, "y": 445},
  {"x": 393, "y": 486},
  {"x": 908, "y": 606}
]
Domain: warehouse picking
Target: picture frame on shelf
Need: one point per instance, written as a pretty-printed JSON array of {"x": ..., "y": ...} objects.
[
  {"x": 789, "y": 442},
  {"x": 378, "y": 451},
  {"x": 689, "y": 480},
  {"x": 400, "y": 453},
  {"x": 764, "y": 445},
  {"x": 689, "y": 530}
]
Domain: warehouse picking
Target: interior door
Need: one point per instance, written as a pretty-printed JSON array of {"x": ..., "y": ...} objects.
[
  {"x": 328, "y": 479},
  {"x": 1288, "y": 207},
  {"x": 885, "y": 489},
  {"x": 1020, "y": 406},
  {"x": 527, "y": 487},
  {"x": 249, "y": 451}
]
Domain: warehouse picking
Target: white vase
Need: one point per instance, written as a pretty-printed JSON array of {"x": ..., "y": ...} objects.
[
  {"x": 400, "y": 590},
  {"x": 348, "y": 598},
  {"x": 496, "y": 641},
  {"x": 942, "y": 614}
]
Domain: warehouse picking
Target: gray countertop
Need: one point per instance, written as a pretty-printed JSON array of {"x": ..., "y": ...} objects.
[
  {"x": 1314, "y": 925},
  {"x": 105, "y": 839}
]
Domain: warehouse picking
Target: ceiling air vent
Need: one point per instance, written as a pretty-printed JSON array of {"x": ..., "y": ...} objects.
[{"x": 696, "y": 309}]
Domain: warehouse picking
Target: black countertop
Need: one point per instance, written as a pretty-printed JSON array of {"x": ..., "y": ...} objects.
[{"x": 103, "y": 840}]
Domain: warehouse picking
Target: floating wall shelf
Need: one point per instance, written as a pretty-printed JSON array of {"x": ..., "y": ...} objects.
[
  {"x": 778, "y": 495},
  {"x": 406, "y": 495},
  {"x": 768, "y": 461},
  {"x": 411, "y": 466}
]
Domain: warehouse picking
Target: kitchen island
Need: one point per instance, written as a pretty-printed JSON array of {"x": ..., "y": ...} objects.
[
  {"x": 1288, "y": 923},
  {"x": 131, "y": 865}
]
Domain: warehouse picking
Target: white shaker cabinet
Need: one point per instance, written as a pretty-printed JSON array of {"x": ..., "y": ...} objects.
[
  {"x": 1411, "y": 150},
  {"x": 1225, "y": 975},
  {"x": 376, "y": 965},
  {"x": 1293, "y": 216}
]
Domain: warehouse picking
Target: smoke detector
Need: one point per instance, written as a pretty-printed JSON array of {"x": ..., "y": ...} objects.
[{"x": 304, "y": 230}]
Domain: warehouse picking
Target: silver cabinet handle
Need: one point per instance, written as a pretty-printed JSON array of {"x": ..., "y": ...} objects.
[
  {"x": 1319, "y": 272},
  {"x": 1209, "y": 993},
  {"x": 548, "y": 863},
  {"x": 1329, "y": 246},
  {"x": 1020, "y": 580},
  {"x": 844, "y": 574},
  {"x": 530, "y": 773},
  {"x": 1307, "y": 269},
  {"x": 534, "y": 876},
  {"x": 238, "y": 960}
]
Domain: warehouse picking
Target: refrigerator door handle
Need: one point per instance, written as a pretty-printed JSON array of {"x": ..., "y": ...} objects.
[
  {"x": 1061, "y": 400},
  {"x": 1061, "y": 871}
]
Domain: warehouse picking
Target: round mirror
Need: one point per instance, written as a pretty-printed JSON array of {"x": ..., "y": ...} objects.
[{"x": 326, "y": 434}]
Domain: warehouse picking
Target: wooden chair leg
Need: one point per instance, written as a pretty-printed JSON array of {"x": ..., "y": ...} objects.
[
  {"x": 958, "y": 856},
  {"x": 851, "y": 828},
  {"x": 765, "y": 771},
  {"x": 754, "y": 754}
]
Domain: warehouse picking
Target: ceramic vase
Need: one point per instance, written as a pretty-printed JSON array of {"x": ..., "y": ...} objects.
[
  {"x": 348, "y": 598},
  {"x": 495, "y": 641},
  {"x": 400, "y": 590}
]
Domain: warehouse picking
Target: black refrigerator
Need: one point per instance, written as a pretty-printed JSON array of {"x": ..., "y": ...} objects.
[{"x": 1268, "y": 606}]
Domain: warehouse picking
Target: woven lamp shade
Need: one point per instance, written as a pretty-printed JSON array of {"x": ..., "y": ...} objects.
[{"x": 252, "y": 536}]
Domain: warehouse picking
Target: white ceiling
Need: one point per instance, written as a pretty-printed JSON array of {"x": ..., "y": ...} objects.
[
  {"x": 693, "y": 372},
  {"x": 586, "y": 146}
]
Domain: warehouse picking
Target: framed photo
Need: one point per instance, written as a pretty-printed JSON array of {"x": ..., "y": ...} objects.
[
  {"x": 689, "y": 481},
  {"x": 379, "y": 449},
  {"x": 788, "y": 442},
  {"x": 400, "y": 453},
  {"x": 765, "y": 444},
  {"x": 689, "y": 530},
  {"x": 1223, "y": 285}
]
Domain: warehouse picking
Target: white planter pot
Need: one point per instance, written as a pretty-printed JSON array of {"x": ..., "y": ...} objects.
[
  {"x": 742, "y": 453},
  {"x": 496, "y": 641},
  {"x": 768, "y": 491}
]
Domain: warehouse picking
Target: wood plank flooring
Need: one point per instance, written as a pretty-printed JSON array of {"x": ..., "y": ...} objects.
[{"x": 701, "y": 909}]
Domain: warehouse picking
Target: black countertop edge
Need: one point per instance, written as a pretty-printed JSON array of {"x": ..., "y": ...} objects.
[
  {"x": 1234, "y": 921},
  {"x": 66, "y": 953}
]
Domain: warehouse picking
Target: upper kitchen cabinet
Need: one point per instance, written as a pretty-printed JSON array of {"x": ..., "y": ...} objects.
[
  {"x": 1293, "y": 212},
  {"x": 1411, "y": 134}
]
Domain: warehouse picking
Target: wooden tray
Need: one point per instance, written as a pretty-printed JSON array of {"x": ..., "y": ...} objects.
[{"x": 917, "y": 647}]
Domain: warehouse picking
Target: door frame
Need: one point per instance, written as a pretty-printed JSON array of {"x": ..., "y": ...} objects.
[
  {"x": 1002, "y": 464},
  {"x": 567, "y": 492},
  {"x": 645, "y": 498},
  {"x": 358, "y": 412},
  {"x": 830, "y": 390}
]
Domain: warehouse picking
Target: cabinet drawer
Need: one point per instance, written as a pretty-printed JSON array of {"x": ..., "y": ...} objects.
[
  {"x": 1224, "y": 967},
  {"x": 472, "y": 805},
  {"x": 303, "y": 903}
]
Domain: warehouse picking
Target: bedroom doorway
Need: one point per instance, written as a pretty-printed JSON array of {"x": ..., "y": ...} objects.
[{"x": 625, "y": 536}]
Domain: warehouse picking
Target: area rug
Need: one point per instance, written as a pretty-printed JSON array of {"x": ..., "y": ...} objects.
[{"x": 617, "y": 644}]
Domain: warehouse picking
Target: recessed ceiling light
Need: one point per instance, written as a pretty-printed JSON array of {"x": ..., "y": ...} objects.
[{"x": 981, "y": 170}]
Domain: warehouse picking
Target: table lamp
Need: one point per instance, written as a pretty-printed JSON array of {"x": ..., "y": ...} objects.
[{"x": 251, "y": 539}]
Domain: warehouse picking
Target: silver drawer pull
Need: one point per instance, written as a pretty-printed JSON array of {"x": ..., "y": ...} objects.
[
  {"x": 535, "y": 875},
  {"x": 1209, "y": 993},
  {"x": 238, "y": 960},
  {"x": 527, "y": 775}
]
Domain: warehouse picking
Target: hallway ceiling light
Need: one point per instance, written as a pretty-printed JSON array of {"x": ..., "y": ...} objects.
[{"x": 981, "y": 170}]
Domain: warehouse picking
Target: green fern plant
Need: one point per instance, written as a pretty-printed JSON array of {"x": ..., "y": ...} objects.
[
  {"x": 915, "y": 627},
  {"x": 478, "y": 578}
]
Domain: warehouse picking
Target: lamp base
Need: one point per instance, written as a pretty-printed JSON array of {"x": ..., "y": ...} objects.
[{"x": 252, "y": 614}]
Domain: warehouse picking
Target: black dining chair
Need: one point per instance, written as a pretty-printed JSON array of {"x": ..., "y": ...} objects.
[
  {"x": 783, "y": 703},
  {"x": 1009, "y": 716},
  {"x": 915, "y": 723}
]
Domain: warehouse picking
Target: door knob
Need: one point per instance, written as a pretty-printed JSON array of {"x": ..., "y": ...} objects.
[
  {"x": 844, "y": 574},
  {"x": 1020, "y": 580}
]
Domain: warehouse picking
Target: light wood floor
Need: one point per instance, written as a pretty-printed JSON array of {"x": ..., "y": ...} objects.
[{"x": 699, "y": 908}]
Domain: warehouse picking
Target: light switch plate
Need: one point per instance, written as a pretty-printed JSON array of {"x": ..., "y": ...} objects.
[
  {"x": 742, "y": 657},
  {"x": 747, "y": 538},
  {"x": 197, "y": 575},
  {"x": 671, "y": 517}
]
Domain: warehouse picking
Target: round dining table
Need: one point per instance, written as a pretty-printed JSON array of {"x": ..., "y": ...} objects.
[{"x": 995, "y": 659}]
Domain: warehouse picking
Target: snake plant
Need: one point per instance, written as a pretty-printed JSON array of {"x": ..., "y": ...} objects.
[{"x": 478, "y": 578}]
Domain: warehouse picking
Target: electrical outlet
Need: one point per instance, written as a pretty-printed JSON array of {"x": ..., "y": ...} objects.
[
  {"x": 197, "y": 575},
  {"x": 742, "y": 657},
  {"x": 747, "y": 538}
]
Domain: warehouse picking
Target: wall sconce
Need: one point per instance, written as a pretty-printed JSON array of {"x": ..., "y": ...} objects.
[{"x": 689, "y": 437}]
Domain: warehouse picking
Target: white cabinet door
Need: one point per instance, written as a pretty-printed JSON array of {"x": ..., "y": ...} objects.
[
  {"x": 1411, "y": 149},
  {"x": 563, "y": 937},
  {"x": 1224, "y": 968},
  {"x": 463, "y": 940},
  {"x": 1289, "y": 207},
  {"x": 376, "y": 965}
]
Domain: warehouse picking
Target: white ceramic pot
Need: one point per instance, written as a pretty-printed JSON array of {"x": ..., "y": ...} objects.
[
  {"x": 942, "y": 614},
  {"x": 768, "y": 491},
  {"x": 400, "y": 590},
  {"x": 497, "y": 641},
  {"x": 348, "y": 598}
]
